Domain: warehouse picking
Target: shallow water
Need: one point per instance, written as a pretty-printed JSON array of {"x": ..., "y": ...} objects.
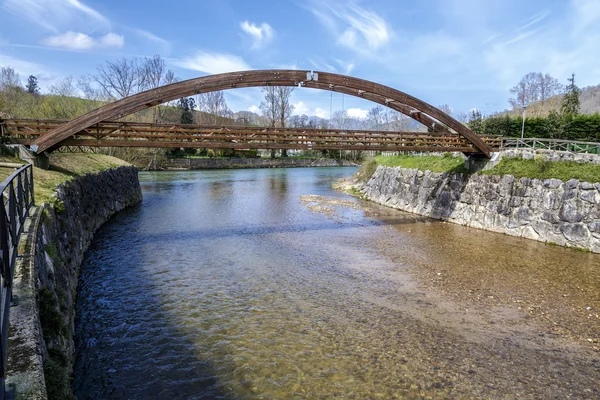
[{"x": 233, "y": 284}]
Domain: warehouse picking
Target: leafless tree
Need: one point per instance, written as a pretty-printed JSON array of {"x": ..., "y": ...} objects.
[
  {"x": 534, "y": 89},
  {"x": 213, "y": 104},
  {"x": 396, "y": 121},
  {"x": 549, "y": 87},
  {"x": 376, "y": 117},
  {"x": 9, "y": 78},
  {"x": 120, "y": 78},
  {"x": 339, "y": 119}
]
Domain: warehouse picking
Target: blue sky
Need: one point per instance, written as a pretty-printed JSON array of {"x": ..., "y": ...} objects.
[{"x": 465, "y": 53}]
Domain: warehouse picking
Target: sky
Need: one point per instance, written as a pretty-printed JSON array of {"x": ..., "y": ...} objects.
[{"x": 464, "y": 53}]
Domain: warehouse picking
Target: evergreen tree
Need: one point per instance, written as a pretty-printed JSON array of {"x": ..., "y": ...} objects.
[
  {"x": 32, "y": 85},
  {"x": 476, "y": 121},
  {"x": 186, "y": 105},
  {"x": 570, "y": 102}
]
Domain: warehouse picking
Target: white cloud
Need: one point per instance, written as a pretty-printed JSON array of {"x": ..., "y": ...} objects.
[
  {"x": 80, "y": 41},
  {"x": 301, "y": 108},
  {"x": 213, "y": 63},
  {"x": 55, "y": 15},
  {"x": 254, "y": 109},
  {"x": 261, "y": 35},
  {"x": 356, "y": 28},
  {"x": 357, "y": 113},
  {"x": 319, "y": 112}
]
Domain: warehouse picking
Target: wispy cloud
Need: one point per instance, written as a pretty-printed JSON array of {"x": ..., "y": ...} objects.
[
  {"x": 346, "y": 67},
  {"x": 586, "y": 13},
  {"x": 55, "y": 15},
  {"x": 151, "y": 36},
  {"x": 355, "y": 27},
  {"x": 80, "y": 41},
  {"x": 213, "y": 63},
  {"x": 261, "y": 35},
  {"x": 22, "y": 67}
]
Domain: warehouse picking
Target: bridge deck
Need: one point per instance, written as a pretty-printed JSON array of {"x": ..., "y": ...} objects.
[{"x": 135, "y": 134}]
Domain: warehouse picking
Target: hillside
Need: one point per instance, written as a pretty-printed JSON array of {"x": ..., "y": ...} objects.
[{"x": 589, "y": 99}]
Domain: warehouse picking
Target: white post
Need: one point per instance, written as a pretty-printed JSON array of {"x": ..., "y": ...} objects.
[{"x": 523, "y": 127}]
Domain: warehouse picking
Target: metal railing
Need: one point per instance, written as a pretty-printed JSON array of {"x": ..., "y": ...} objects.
[
  {"x": 552, "y": 144},
  {"x": 17, "y": 200}
]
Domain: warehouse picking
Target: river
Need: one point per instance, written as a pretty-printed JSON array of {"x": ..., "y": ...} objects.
[{"x": 269, "y": 284}]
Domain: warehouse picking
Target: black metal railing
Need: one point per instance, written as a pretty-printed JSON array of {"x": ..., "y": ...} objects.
[{"x": 17, "y": 200}]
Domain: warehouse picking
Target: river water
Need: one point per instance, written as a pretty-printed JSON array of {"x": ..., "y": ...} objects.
[{"x": 268, "y": 284}]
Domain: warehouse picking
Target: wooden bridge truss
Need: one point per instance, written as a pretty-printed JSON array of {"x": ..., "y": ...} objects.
[
  {"x": 436, "y": 120},
  {"x": 130, "y": 134}
]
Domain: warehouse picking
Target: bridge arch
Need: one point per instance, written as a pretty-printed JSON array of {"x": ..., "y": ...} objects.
[{"x": 411, "y": 106}]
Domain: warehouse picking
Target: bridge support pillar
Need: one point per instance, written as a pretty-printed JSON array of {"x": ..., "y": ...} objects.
[
  {"x": 38, "y": 160},
  {"x": 476, "y": 162}
]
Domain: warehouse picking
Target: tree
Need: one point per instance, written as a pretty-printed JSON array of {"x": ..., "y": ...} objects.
[
  {"x": 9, "y": 79},
  {"x": 186, "y": 106},
  {"x": 339, "y": 119},
  {"x": 570, "y": 101},
  {"x": 476, "y": 121},
  {"x": 214, "y": 104},
  {"x": 120, "y": 78},
  {"x": 284, "y": 93},
  {"x": 535, "y": 89},
  {"x": 269, "y": 108},
  {"x": 32, "y": 85},
  {"x": 375, "y": 117},
  {"x": 153, "y": 73},
  {"x": 549, "y": 87},
  {"x": 526, "y": 91}
]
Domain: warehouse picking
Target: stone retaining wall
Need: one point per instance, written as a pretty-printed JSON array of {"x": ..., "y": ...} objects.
[
  {"x": 41, "y": 347},
  {"x": 564, "y": 213}
]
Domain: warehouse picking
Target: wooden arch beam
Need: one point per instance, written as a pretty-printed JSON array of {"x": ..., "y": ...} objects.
[{"x": 372, "y": 91}]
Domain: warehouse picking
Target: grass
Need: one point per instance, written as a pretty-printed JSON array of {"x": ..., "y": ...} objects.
[
  {"x": 541, "y": 169},
  {"x": 366, "y": 170},
  {"x": 64, "y": 167},
  {"x": 446, "y": 163}
]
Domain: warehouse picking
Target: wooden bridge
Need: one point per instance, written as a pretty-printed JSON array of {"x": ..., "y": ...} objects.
[
  {"x": 100, "y": 127},
  {"x": 130, "y": 134}
]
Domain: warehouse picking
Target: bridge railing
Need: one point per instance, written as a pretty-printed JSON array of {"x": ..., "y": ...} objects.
[
  {"x": 551, "y": 144},
  {"x": 17, "y": 200}
]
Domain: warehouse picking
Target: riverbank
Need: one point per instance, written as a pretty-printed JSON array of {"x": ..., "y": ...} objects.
[
  {"x": 77, "y": 196},
  {"x": 566, "y": 213},
  {"x": 236, "y": 163}
]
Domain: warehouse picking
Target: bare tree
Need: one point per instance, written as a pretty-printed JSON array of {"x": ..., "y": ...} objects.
[
  {"x": 269, "y": 105},
  {"x": 396, "y": 121},
  {"x": 214, "y": 104},
  {"x": 535, "y": 89},
  {"x": 339, "y": 119},
  {"x": 120, "y": 78},
  {"x": 9, "y": 78},
  {"x": 376, "y": 117},
  {"x": 549, "y": 87}
]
